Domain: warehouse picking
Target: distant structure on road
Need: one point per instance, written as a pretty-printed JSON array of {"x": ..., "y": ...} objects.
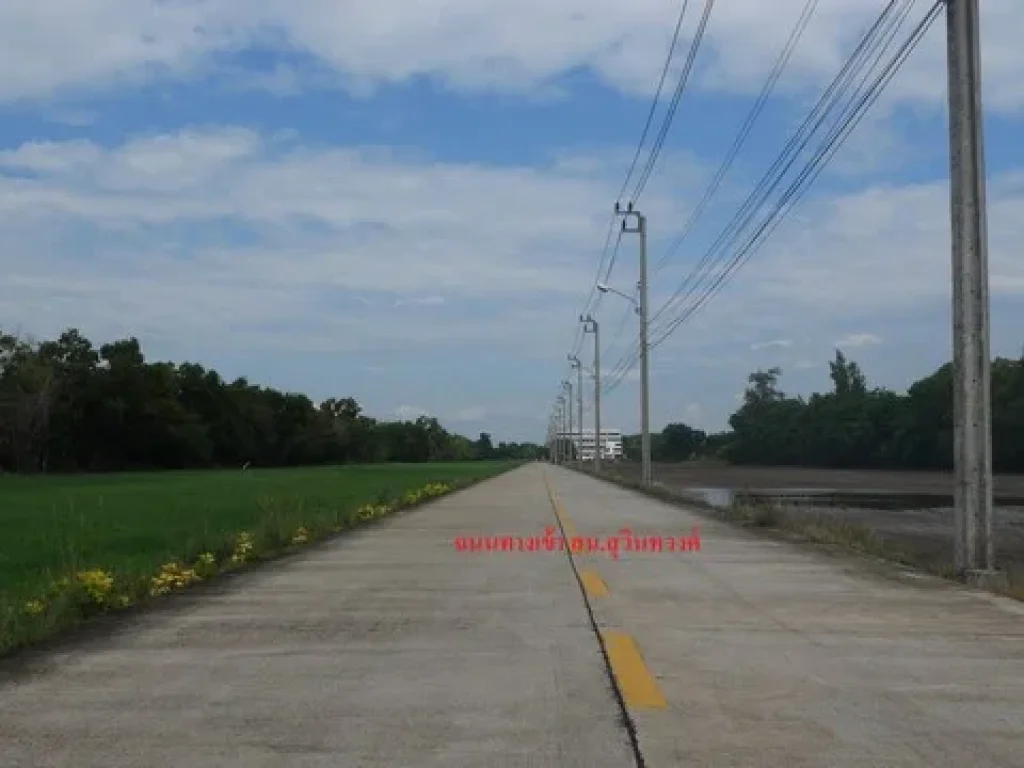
[{"x": 611, "y": 444}]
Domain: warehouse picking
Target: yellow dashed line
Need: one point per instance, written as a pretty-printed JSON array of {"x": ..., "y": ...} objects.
[
  {"x": 593, "y": 584},
  {"x": 638, "y": 686},
  {"x": 634, "y": 680},
  {"x": 559, "y": 512}
]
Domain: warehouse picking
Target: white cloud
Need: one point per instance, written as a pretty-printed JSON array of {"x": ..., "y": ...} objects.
[
  {"x": 781, "y": 343},
  {"x": 521, "y": 45},
  {"x": 409, "y": 412},
  {"x": 858, "y": 340},
  {"x": 420, "y": 301},
  {"x": 144, "y": 236}
]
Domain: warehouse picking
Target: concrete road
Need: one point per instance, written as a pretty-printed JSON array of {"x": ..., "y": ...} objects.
[
  {"x": 385, "y": 649},
  {"x": 389, "y": 648},
  {"x": 758, "y": 653}
]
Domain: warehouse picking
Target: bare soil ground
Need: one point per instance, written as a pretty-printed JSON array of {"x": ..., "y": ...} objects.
[
  {"x": 697, "y": 475},
  {"x": 919, "y": 528}
]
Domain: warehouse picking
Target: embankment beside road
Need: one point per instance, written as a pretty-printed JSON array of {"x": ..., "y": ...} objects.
[{"x": 921, "y": 538}]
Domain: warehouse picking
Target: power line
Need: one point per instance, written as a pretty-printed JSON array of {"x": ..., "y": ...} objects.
[
  {"x": 814, "y": 168},
  {"x": 829, "y": 99},
  {"x": 657, "y": 96},
  {"x": 591, "y": 305},
  {"x": 684, "y": 77},
  {"x": 832, "y": 96},
  {"x": 748, "y": 124}
]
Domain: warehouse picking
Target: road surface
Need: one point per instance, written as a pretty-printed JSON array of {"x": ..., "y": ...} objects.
[{"x": 390, "y": 648}]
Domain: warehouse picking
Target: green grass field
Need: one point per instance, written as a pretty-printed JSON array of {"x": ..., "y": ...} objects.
[{"x": 132, "y": 523}]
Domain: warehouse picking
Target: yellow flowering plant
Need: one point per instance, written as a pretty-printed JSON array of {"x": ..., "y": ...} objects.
[
  {"x": 96, "y": 584},
  {"x": 172, "y": 576}
]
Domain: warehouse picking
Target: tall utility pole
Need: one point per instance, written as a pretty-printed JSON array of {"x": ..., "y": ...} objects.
[
  {"x": 568, "y": 406},
  {"x": 552, "y": 451},
  {"x": 645, "y": 421},
  {"x": 551, "y": 439},
  {"x": 559, "y": 427},
  {"x": 563, "y": 447},
  {"x": 578, "y": 367},
  {"x": 590, "y": 326},
  {"x": 972, "y": 408}
]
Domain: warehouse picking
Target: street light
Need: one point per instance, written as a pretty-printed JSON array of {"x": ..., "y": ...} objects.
[
  {"x": 640, "y": 228},
  {"x": 567, "y": 385},
  {"x": 578, "y": 367},
  {"x": 560, "y": 421},
  {"x": 608, "y": 289},
  {"x": 590, "y": 326}
]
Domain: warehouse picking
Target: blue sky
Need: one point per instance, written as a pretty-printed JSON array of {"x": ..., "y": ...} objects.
[{"x": 406, "y": 203}]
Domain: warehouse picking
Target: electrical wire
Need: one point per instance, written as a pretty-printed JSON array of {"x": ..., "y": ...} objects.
[
  {"x": 590, "y": 304},
  {"x": 684, "y": 78},
  {"x": 748, "y": 124},
  {"x": 629, "y": 359},
  {"x": 812, "y": 170},
  {"x": 657, "y": 96},
  {"x": 832, "y": 96}
]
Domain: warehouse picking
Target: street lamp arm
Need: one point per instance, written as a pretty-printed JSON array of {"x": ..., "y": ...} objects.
[{"x": 608, "y": 289}]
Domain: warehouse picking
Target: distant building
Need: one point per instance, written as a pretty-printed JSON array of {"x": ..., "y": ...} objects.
[{"x": 611, "y": 443}]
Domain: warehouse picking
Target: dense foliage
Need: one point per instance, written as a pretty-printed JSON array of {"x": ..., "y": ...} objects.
[
  {"x": 66, "y": 406},
  {"x": 676, "y": 442},
  {"x": 854, "y": 425}
]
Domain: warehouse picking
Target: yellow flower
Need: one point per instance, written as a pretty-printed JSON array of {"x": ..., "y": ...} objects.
[
  {"x": 97, "y": 584},
  {"x": 172, "y": 576},
  {"x": 301, "y": 536},
  {"x": 243, "y": 548},
  {"x": 34, "y": 607},
  {"x": 206, "y": 564}
]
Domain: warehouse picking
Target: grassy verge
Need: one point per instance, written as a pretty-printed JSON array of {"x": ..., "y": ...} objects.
[
  {"x": 72, "y": 548},
  {"x": 820, "y": 530}
]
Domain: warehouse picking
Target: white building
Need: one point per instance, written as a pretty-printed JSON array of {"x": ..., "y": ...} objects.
[{"x": 611, "y": 443}]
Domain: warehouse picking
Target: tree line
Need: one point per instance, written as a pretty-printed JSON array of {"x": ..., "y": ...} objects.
[
  {"x": 853, "y": 426},
  {"x": 67, "y": 406}
]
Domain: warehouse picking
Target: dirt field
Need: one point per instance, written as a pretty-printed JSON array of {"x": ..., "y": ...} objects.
[
  {"x": 740, "y": 478},
  {"x": 910, "y": 511}
]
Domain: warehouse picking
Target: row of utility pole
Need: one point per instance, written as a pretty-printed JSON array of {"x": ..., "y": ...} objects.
[
  {"x": 590, "y": 325},
  {"x": 973, "y": 497}
]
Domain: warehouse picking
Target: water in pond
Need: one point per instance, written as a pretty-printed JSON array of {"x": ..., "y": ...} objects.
[{"x": 819, "y": 497}]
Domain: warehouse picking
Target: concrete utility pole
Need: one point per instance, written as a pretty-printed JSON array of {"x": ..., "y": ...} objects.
[
  {"x": 590, "y": 326},
  {"x": 563, "y": 449},
  {"x": 551, "y": 439},
  {"x": 578, "y": 367},
  {"x": 972, "y": 410},
  {"x": 568, "y": 406},
  {"x": 559, "y": 419},
  {"x": 645, "y": 422}
]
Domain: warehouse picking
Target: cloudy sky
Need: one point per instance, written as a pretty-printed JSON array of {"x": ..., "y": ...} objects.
[{"x": 407, "y": 202}]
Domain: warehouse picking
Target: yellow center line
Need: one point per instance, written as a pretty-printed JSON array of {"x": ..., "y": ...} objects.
[
  {"x": 593, "y": 583},
  {"x": 632, "y": 677},
  {"x": 556, "y": 505},
  {"x": 638, "y": 686}
]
